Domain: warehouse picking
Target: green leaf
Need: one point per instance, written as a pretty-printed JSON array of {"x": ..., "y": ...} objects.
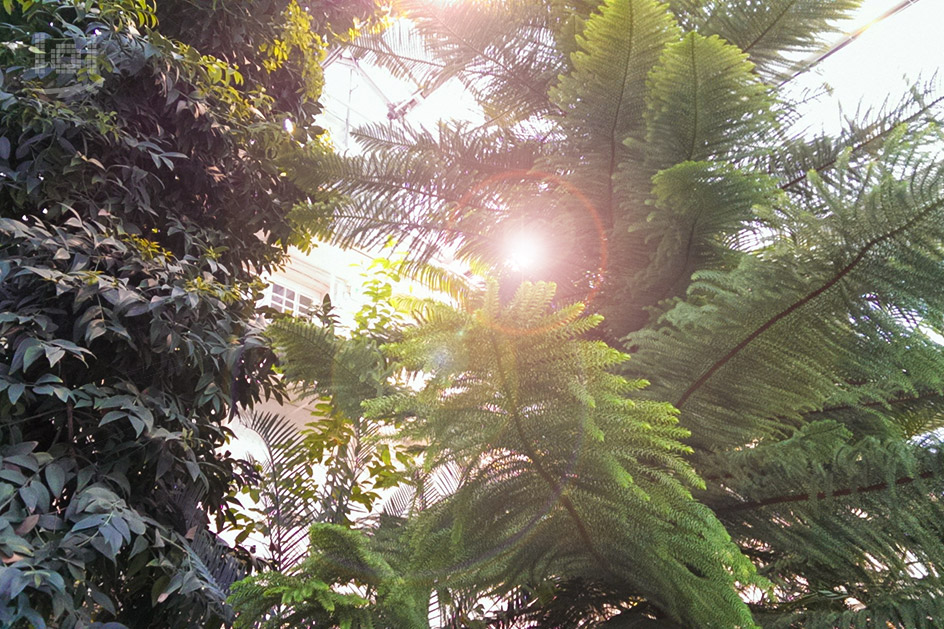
[
  {"x": 90, "y": 521},
  {"x": 27, "y": 524},
  {"x": 26, "y": 353},
  {"x": 111, "y": 416},
  {"x": 55, "y": 478},
  {"x": 172, "y": 586},
  {"x": 53, "y": 354},
  {"x": 139, "y": 546},
  {"x": 13, "y": 476},
  {"x": 30, "y": 497},
  {"x": 14, "y": 391},
  {"x": 103, "y": 601}
]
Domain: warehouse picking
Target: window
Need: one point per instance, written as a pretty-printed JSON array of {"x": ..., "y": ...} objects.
[
  {"x": 344, "y": 290},
  {"x": 290, "y": 301}
]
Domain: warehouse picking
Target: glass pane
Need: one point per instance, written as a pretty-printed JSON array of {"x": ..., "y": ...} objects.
[
  {"x": 277, "y": 290},
  {"x": 289, "y": 294}
]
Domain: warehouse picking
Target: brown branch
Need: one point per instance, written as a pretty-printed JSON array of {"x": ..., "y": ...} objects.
[
  {"x": 548, "y": 478},
  {"x": 849, "y": 407},
  {"x": 805, "y": 300},
  {"x": 859, "y": 146},
  {"x": 790, "y": 498}
]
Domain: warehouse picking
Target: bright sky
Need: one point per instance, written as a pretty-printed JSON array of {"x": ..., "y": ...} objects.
[
  {"x": 881, "y": 63},
  {"x": 357, "y": 93}
]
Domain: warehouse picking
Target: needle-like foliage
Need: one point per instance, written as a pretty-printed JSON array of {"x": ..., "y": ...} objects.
[
  {"x": 566, "y": 471},
  {"x": 782, "y": 290}
]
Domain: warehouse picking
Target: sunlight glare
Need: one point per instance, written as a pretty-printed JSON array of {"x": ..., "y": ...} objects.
[{"x": 524, "y": 251}]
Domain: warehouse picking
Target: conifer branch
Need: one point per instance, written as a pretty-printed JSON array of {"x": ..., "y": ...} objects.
[
  {"x": 848, "y": 268},
  {"x": 538, "y": 466},
  {"x": 615, "y": 142},
  {"x": 864, "y": 143},
  {"x": 899, "y": 400},
  {"x": 822, "y": 495},
  {"x": 769, "y": 27},
  {"x": 482, "y": 53}
]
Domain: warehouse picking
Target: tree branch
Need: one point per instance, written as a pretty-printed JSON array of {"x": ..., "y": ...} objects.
[
  {"x": 842, "y": 273},
  {"x": 790, "y": 498}
]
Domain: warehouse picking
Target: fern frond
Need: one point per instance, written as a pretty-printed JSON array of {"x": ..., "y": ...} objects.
[
  {"x": 602, "y": 98},
  {"x": 346, "y": 371},
  {"x": 332, "y": 588},
  {"x": 704, "y": 102}
]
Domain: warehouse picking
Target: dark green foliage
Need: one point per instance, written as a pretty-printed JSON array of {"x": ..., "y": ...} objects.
[
  {"x": 325, "y": 475},
  {"x": 139, "y": 199},
  {"x": 342, "y": 583},
  {"x": 114, "y": 430},
  {"x": 836, "y": 509}
]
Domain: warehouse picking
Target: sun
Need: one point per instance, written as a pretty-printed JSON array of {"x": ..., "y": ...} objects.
[{"x": 524, "y": 251}]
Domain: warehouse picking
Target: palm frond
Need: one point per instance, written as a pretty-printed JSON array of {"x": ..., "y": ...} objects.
[{"x": 289, "y": 489}]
